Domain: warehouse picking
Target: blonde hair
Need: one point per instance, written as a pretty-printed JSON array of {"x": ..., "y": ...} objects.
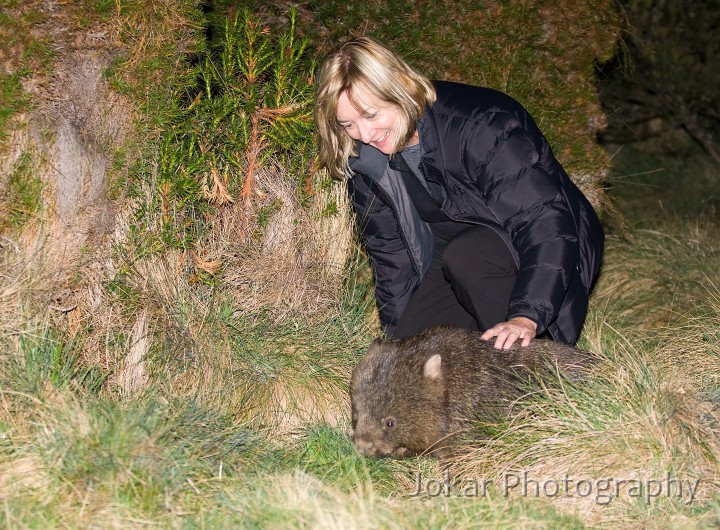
[{"x": 365, "y": 67}]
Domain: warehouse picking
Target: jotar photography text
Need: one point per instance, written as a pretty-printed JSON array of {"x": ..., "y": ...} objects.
[{"x": 601, "y": 490}]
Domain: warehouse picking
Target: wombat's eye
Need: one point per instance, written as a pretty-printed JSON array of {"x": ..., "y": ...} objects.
[{"x": 390, "y": 423}]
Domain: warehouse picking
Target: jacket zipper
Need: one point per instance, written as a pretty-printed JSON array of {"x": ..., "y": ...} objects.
[{"x": 396, "y": 215}]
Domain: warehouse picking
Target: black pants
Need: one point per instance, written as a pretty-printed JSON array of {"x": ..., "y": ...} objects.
[{"x": 468, "y": 286}]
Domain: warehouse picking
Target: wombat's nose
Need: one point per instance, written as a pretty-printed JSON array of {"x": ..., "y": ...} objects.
[
  {"x": 363, "y": 447},
  {"x": 367, "y": 448}
]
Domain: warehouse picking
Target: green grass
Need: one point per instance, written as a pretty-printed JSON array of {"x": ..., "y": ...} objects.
[
  {"x": 49, "y": 360},
  {"x": 25, "y": 55},
  {"x": 22, "y": 196},
  {"x": 13, "y": 97}
]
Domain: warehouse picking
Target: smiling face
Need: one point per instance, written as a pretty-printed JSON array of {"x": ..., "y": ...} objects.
[{"x": 372, "y": 123}]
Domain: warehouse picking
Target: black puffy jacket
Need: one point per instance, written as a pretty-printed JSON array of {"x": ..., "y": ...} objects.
[{"x": 495, "y": 168}]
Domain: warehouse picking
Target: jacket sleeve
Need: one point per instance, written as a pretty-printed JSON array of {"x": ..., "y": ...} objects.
[
  {"x": 393, "y": 270},
  {"x": 521, "y": 183}
]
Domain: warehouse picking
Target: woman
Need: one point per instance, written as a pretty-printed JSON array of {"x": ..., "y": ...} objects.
[{"x": 468, "y": 218}]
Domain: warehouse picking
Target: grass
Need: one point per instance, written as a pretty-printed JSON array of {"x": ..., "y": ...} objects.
[
  {"x": 13, "y": 98},
  {"x": 667, "y": 178},
  {"x": 24, "y": 54},
  {"x": 26, "y": 58},
  {"x": 22, "y": 193}
]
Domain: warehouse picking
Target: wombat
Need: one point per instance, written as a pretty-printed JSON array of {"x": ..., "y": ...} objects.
[{"x": 413, "y": 396}]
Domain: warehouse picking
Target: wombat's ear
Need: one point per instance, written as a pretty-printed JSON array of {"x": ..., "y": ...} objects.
[{"x": 433, "y": 368}]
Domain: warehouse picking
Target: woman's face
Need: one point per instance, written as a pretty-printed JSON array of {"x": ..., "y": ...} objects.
[{"x": 375, "y": 124}]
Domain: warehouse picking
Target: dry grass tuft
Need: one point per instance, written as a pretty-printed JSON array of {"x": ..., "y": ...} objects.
[
  {"x": 659, "y": 274},
  {"x": 146, "y": 319},
  {"x": 133, "y": 377},
  {"x": 310, "y": 502},
  {"x": 34, "y": 277},
  {"x": 298, "y": 264}
]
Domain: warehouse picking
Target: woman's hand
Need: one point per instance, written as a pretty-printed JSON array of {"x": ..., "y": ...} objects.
[{"x": 508, "y": 332}]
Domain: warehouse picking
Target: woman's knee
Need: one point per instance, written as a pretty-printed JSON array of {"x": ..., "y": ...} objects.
[{"x": 478, "y": 252}]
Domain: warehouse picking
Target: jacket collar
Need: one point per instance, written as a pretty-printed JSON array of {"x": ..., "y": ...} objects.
[
  {"x": 370, "y": 161},
  {"x": 432, "y": 157}
]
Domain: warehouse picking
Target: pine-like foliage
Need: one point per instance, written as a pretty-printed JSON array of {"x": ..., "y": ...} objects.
[{"x": 252, "y": 103}]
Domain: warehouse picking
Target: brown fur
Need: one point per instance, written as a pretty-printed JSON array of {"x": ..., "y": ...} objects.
[{"x": 412, "y": 396}]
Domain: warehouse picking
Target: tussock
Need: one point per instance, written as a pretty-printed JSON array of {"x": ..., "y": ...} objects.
[
  {"x": 309, "y": 502},
  {"x": 663, "y": 272},
  {"x": 298, "y": 264},
  {"x": 33, "y": 282}
]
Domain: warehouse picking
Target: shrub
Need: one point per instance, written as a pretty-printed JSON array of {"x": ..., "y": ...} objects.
[{"x": 251, "y": 103}]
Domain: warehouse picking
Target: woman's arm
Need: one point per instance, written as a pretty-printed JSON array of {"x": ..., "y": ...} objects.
[
  {"x": 393, "y": 270},
  {"x": 521, "y": 183}
]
